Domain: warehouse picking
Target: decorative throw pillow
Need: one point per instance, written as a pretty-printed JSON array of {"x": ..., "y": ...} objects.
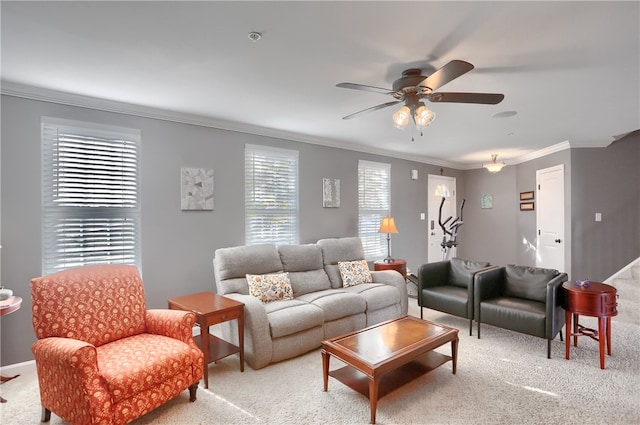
[
  {"x": 354, "y": 272},
  {"x": 270, "y": 287}
]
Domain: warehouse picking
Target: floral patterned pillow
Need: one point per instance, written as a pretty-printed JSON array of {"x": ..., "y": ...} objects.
[
  {"x": 270, "y": 287},
  {"x": 354, "y": 272}
]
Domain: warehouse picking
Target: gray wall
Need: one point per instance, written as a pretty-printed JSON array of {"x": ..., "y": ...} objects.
[
  {"x": 489, "y": 234},
  {"x": 605, "y": 181},
  {"x": 526, "y": 220},
  {"x": 178, "y": 246}
]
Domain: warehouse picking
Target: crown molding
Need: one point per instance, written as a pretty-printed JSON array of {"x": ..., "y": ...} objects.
[{"x": 10, "y": 88}]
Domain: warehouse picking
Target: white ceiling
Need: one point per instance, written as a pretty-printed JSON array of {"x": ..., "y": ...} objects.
[{"x": 571, "y": 70}]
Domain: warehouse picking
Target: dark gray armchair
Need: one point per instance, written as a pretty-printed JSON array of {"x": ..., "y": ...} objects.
[
  {"x": 528, "y": 300},
  {"x": 447, "y": 286}
]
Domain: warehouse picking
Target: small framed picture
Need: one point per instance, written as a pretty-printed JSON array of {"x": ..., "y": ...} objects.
[
  {"x": 331, "y": 193},
  {"x": 526, "y": 206},
  {"x": 526, "y": 196},
  {"x": 486, "y": 201}
]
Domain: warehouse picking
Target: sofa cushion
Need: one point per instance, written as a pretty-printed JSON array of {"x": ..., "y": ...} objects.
[
  {"x": 339, "y": 249},
  {"x": 304, "y": 264},
  {"x": 270, "y": 287},
  {"x": 354, "y": 272},
  {"x": 131, "y": 365},
  {"x": 336, "y": 304},
  {"x": 292, "y": 316},
  {"x": 528, "y": 282},
  {"x": 300, "y": 258},
  {"x": 239, "y": 261},
  {"x": 461, "y": 270},
  {"x": 376, "y": 295},
  {"x": 311, "y": 281}
]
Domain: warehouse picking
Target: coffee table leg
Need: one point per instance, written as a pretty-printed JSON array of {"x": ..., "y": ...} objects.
[
  {"x": 373, "y": 398},
  {"x": 325, "y": 369},
  {"x": 454, "y": 354}
]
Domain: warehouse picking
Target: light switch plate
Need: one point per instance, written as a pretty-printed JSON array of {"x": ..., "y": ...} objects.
[
  {"x": 414, "y": 174},
  {"x": 598, "y": 216}
]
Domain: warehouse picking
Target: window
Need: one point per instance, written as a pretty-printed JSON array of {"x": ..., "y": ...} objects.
[
  {"x": 271, "y": 195},
  {"x": 374, "y": 202},
  {"x": 91, "y": 211}
]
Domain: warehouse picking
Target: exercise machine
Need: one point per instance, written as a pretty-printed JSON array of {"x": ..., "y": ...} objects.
[{"x": 450, "y": 228}]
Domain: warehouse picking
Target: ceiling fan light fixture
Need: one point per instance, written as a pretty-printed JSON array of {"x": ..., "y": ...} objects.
[
  {"x": 494, "y": 166},
  {"x": 423, "y": 116},
  {"x": 401, "y": 117}
]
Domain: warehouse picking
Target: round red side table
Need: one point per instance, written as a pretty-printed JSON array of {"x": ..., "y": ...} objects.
[
  {"x": 398, "y": 265},
  {"x": 594, "y": 299},
  {"x": 9, "y": 306}
]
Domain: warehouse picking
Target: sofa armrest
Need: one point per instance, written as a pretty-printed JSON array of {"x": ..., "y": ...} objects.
[
  {"x": 488, "y": 283},
  {"x": 176, "y": 324},
  {"x": 430, "y": 275},
  {"x": 554, "y": 299},
  {"x": 393, "y": 278},
  {"x": 64, "y": 366},
  {"x": 257, "y": 335},
  {"x": 433, "y": 274}
]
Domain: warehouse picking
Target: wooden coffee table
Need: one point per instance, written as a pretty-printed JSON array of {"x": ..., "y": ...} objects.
[{"x": 383, "y": 357}]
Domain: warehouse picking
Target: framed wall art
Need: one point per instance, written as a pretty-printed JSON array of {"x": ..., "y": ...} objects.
[
  {"x": 196, "y": 189},
  {"x": 330, "y": 193},
  {"x": 526, "y": 206},
  {"x": 526, "y": 196},
  {"x": 486, "y": 201}
]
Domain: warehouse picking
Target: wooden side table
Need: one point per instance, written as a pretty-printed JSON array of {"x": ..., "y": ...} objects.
[
  {"x": 398, "y": 265},
  {"x": 211, "y": 309},
  {"x": 594, "y": 299}
]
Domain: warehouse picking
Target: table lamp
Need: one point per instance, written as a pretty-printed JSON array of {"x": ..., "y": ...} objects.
[{"x": 388, "y": 226}]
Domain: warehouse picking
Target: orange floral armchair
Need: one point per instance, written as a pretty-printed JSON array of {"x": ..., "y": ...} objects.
[{"x": 101, "y": 357}]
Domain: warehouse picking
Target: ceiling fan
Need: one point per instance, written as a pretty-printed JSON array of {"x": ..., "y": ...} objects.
[{"x": 413, "y": 87}]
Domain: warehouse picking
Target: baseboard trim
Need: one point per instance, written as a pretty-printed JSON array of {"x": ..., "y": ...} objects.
[{"x": 624, "y": 272}]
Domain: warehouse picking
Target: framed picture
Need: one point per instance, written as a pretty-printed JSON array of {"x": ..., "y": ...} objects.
[
  {"x": 486, "y": 201},
  {"x": 196, "y": 189},
  {"x": 331, "y": 193},
  {"x": 526, "y": 206},
  {"x": 526, "y": 196}
]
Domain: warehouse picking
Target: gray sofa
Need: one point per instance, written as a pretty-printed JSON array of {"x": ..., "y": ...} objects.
[{"x": 321, "y": 307}]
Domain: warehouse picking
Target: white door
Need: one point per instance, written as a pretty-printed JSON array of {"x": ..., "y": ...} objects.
[
  {"x": 550, "y": 218},
  {"x": 446, "y": 185}
]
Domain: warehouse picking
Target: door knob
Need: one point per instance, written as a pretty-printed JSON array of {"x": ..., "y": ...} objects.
[{"x": 558, "y": 241}]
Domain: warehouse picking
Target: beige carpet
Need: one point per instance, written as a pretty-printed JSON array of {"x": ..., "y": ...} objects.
[{"x": 504, "y": 378}]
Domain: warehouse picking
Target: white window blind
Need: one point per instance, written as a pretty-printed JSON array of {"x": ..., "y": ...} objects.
[
  {"x": 91, "y": 212},
  {"x": 271, "y": 195},
  {"x": 374, "y": 202}
]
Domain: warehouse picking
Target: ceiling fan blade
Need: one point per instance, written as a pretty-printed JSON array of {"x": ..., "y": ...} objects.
[
  {"x": 365, "y": 88},
  {"x": 373, "y": 108},
  {"x": 483, "y": 98},
  {"x": 447, "y": 73}
]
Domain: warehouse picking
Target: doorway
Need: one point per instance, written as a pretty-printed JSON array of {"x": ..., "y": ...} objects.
[{"x": 551, "y": 244}]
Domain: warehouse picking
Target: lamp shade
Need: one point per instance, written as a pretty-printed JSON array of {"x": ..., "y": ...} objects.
[
  {"x": 401, "y": 117},
  {"x": 388, "y": 225}
]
